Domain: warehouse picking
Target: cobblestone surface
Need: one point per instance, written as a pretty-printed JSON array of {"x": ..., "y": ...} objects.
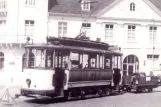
[{"x": 126, "y": 100}]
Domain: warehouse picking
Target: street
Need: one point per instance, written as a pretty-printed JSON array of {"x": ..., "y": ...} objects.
[{"x": 125, "y": 100}]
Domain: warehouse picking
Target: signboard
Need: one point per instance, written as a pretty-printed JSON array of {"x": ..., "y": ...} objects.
[{"x": 148, "y": 78}]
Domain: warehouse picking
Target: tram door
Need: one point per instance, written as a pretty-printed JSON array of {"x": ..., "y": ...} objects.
[{"x": 61, "y": 61}]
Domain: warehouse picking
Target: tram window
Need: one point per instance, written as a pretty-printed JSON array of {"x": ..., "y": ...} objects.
[
  {"x": 61, "y": 58},
  {"x": 85, "y": 61},
  {"x": 92, "y": 60},
  {"x": 114, "y": 62},
  {"x": 49, "y": 58},
  {"x": 108, "y": 61},
  {"x": 76, "y": 60},
  {"x": 31, "y": 58},
  {"x": 89, "y": 60},
  {"x": 39, "y": 58},
  {"x": 65, "y": 59},
  {"x": 100, "y": 61}
]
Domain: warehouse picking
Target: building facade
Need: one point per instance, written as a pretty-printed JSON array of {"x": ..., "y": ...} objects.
[
  {"x": 19, "y": 19},
  {"x": 133, "y": 26}
]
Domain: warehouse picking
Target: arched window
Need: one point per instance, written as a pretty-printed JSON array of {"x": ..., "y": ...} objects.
[
  {"x": 132, "y": 6},
  {"x": 130, "y": 65},
  {"x": 23, "y": 60},
  {"x": 1, "y": 60}
]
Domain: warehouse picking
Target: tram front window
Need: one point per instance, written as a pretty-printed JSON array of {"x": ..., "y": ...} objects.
[
  {"x": 40, "y": 54},
  {"x": 34, "y": 58},
  {"x": 31, "y": 58}
]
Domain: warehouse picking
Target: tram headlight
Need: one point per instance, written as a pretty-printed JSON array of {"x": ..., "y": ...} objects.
[
  {"x": 158, "y": 80},
  {"x": 136, "y": 82},
  {"x": 28, "y": 82}
]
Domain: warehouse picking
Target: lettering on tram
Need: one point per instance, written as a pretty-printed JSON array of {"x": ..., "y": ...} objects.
[{"x": 69, "y": 67}]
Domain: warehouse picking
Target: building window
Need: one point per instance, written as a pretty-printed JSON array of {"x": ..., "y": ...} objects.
[
  {"x": 1, "y": 60},
  {"x": 152, "y": 33},
  {"x": 85, "y": 5},
  {"x": 3, "y": 4},
  {"x": 131, "y": 33},
  {"x": 2, "y": 27},
  {"x": 30, "y": 2},
  {"x": 151, "y": 57},
  {"x": 109, "y": 32},
  {"x": 86, "y": 27},
  {"x": 132, "y": 6},
  {"x": 2, "y": 22},
  {"x": 62, "y": 29},
  {"x": 29, "y": 28}
]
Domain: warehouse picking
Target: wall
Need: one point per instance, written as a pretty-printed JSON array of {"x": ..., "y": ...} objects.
[
  {"x": 11, "y": 73},
  {"x": 140, "y": 47},
  {"x": 18, "y": 12},
  {"x": 122, "y": 10}
]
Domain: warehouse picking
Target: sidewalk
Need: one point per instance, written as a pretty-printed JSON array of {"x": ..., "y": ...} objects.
[
  {"x": 158, "y": 89},
  {"x": 12, "y": 90}
]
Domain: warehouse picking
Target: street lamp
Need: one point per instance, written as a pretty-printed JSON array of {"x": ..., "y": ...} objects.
[
  {"x": 28, "y": 40},
  {"x": 153, "y": 52}
]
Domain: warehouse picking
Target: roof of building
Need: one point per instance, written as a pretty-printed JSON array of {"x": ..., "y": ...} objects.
[
  {"x": 74, "y": 7},
  {"x": 156, "y": 3}
]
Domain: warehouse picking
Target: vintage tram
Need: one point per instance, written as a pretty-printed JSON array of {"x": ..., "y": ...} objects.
[{"x": 65, "y": 67}]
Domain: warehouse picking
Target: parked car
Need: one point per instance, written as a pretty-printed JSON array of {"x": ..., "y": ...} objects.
[{"x": 140, "y": 82}]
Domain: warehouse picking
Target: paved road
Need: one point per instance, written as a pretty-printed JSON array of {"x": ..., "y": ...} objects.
[{"x": 125, "y": 100}]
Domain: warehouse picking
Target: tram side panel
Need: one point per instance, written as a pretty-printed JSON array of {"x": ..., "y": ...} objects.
[{"x": 87, "y": 77}]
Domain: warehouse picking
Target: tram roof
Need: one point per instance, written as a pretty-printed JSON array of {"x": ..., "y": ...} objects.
[
  {"x": 74, "y": 48},
  {"x": 78, "y": 41}
]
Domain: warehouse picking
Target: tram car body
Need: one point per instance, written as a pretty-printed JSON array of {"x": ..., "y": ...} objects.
[
  {"x": 70, "y": 67},
  {"x": 140, "y": 82}
]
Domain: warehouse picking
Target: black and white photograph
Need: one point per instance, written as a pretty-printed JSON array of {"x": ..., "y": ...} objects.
[{"x": 80, "y": 53}]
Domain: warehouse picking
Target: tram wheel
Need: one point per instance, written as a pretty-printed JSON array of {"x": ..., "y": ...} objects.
[
  {"x": 121, "y": 89},
  {"x": 138, "y": 90},
  {"x": 150, "y": 90},
  {"x": 107, "y": 92},
  {"x": 129, "y": 89},
  {"x": 66, "y": 95}
]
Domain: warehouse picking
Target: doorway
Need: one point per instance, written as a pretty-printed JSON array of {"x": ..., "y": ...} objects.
[{"x": 130, "y": 65}]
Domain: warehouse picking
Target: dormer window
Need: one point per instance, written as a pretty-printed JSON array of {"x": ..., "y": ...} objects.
[
  {"x": 85, "y": 5},
  {"x": 132, "y": 6}
]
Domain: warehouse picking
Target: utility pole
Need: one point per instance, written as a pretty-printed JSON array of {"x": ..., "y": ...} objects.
[
  {"x": 153, "y": 44},
  {"x": 17, "y": 20}
]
